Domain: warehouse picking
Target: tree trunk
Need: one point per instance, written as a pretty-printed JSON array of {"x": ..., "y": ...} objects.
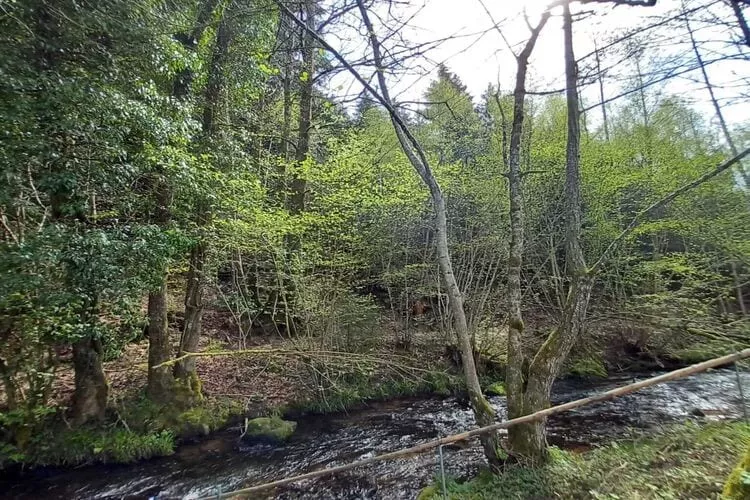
[
  {"x": 91, "y": 389},
  {"x": 299, "y": 184},
  {"x": 285, "y": 33},
  {"x": 160, "y": 380},
  {"x": 184, "y": 370},
  {"x": 738, "y": 290},
  {"x": 296, "y": 202},
  {"x": 715, "y": 103},
  {"x": 737, "y": 8},
  {"x": 518, "y": 436},
  {"x": 601, "y": 93},
  {"x": 484, "y": 414},
  {"x": 11, "y": 388},
  {"x": 528, "y": 441}
]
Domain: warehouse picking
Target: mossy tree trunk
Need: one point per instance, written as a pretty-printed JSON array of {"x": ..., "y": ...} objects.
[
  {"x": 91, "y": 389},
  {"x": 520, "y": 437},
  {"x": 160, "y": 380},
  {"x": 185, "y": 370},
  {"x": 530, "y": 392}
]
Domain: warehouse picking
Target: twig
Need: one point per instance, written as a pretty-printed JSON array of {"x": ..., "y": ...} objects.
[{"x": 4, "y": 221}]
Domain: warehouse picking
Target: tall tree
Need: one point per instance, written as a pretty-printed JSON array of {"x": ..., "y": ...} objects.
[
  {"x": 483, "y": 412},
  {"x": 213, "y": 103},
  {"x": 522, "y": 438},
  {"x": 304, "y": 124},
  {"x": 161, "y": 380},
  {"x": 453, "y": 127}
]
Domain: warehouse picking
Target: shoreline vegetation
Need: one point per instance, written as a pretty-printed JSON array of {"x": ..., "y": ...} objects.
[
  {"x": 679, "y": 461},
  {"x": 136, "y": 429},
  {"x": 204, "y": 228}
]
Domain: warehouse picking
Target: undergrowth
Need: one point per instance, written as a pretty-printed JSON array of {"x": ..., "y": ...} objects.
[
  {"x": 105, "y": 445},
  {"x": 135, "y": 429},
  {"x": 685, "y": 461}
]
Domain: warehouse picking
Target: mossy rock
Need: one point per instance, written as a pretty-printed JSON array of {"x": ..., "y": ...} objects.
[
  {"x": 738, "y": 484},
  {"x": 496, "y": 389},
  {"x": 588, "y": 368},
  {"x": 272, "y": 429}
]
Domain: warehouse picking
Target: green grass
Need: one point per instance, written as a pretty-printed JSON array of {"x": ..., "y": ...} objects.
[{"x": 686, "y": 461}]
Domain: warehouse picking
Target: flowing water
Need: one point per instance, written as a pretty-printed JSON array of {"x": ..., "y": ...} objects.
[{"x": 218, "y": 464}]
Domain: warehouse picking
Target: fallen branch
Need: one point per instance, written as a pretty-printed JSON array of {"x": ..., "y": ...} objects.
[
  {"x": 347, "y": 356},
  {"x": 421, "y": 448}
]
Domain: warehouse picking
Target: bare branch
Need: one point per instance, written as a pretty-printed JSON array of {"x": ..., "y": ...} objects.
[{"x": 357, "y": 76}]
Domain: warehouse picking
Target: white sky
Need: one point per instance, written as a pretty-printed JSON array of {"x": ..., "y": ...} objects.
[{"x": 479, "y": 56}]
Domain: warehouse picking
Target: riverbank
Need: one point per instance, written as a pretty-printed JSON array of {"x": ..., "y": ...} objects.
[
  {"x": 220, "y": 463},
  {"x": 274, "y": 376},
  {"x": 234, "y": 386},
  {"x": 683, "y": 461}
]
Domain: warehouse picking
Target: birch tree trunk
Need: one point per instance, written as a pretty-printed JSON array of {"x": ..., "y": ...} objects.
[{"x": 484, "y": 414}]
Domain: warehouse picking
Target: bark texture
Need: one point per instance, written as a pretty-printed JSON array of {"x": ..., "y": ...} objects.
[
  {"x": 91, "y": 389},
  {"x": 519, "y": 437},
  {"x": 544, "y": 367},
  {"x": 160, "y": 380},
  {"x": 299, "y": 184},
  {"x": 188, "y": 381},
  {"x": 184, "y": 370},
  {"x": 741, "y": 21}
]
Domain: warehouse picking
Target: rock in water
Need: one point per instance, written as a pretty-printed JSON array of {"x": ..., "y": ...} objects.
[{"x": 268, "y": 429}]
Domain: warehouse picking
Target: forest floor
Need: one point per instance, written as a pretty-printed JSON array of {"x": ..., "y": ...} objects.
[
  {"x": 274, "y": 373},
  {"x": 684, "y": 461}
]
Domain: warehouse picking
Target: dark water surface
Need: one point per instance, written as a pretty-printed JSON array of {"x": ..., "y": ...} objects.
[{"x": 217, "y": 464}]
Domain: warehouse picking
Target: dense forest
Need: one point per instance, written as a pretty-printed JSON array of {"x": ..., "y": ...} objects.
[{"x": 200, "y": 223}]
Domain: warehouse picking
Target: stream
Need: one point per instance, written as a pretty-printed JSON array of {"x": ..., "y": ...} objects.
[{"x": 218, "y": 464}]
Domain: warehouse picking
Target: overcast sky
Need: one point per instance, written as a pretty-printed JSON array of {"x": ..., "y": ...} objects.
[{"x": 479, "y": 56}]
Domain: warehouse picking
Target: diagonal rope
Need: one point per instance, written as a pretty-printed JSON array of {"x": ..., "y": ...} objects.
[{"x": 421, "y": 448}]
